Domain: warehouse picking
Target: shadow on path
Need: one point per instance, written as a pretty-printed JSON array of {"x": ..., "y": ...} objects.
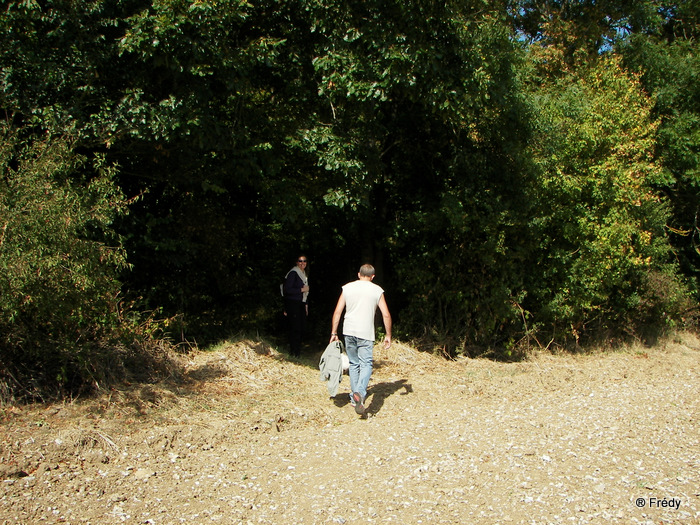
[
  {"x": 381, "y": 391},
  {"x": 378, "y": 393}
]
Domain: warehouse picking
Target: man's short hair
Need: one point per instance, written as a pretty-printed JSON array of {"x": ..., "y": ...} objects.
[{"x": 366, "y": 270}]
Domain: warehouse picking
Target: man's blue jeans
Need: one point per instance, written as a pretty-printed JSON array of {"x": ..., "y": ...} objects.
[{"x": 360, "y": 357}]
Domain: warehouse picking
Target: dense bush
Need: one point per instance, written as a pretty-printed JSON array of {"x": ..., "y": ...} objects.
[
  {"x": 58, "y": 262},
  {"x": 599, "y": 223}
]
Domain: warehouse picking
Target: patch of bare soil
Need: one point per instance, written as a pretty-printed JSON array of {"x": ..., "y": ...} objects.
[{"x": 246, "y": 436}]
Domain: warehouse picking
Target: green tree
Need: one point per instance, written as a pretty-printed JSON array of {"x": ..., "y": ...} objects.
[
  {"x": 59, "y": 261},
  {"x": 599, "y": 223},
  {"x": 575, "y": 28},
  {"x": 418, "y": 123},
  {"x": 668, "y": 64}
]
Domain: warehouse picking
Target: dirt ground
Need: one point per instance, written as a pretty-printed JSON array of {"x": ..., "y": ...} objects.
[{"x": 246, "y": 436}]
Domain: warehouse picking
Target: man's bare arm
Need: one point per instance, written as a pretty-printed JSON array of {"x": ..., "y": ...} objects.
[
  {"x": 336, "y": 317},
  {"x": 386, "y": 316}
]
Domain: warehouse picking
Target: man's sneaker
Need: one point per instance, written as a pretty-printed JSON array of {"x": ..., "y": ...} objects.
[
  {"x": 352, "y": 400},
  {"x": 359, "y": 407}
]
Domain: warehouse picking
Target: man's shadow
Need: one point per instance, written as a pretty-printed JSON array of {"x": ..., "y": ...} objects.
[{"x": 379, "y": 392}]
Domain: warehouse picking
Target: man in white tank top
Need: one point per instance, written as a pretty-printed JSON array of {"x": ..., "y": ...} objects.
[{"x": 360, "y": 300}]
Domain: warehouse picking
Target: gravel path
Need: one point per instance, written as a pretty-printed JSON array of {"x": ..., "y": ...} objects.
[{"x": 607, "y": 438}]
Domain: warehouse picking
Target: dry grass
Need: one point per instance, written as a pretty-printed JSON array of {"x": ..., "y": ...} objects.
[
  {"x": 250, "y": 383},
  {"x": 245, "y": 382},
  {"x": 401, "y": 356}
]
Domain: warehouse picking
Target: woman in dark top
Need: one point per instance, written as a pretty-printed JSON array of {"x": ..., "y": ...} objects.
[{"x": 296, "y": 291}]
